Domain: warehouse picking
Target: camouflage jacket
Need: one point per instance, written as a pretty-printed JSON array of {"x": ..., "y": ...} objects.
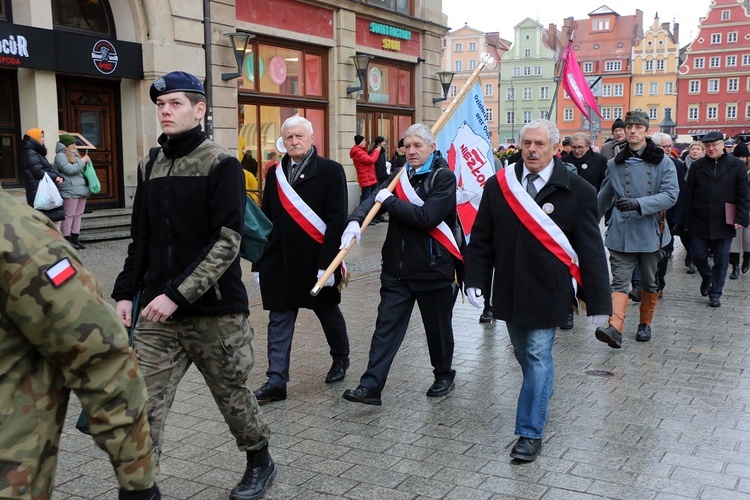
[{"x": 58, "y": 335}]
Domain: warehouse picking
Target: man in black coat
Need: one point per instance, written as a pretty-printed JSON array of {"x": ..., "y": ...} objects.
[
  {"x": 716, "y": 187},
  {"x": 533, "y": 287},
  {"x": 590, "y": 165},
  {"x": 307, "y": 225},
  {"x": 417, "y": 267}
]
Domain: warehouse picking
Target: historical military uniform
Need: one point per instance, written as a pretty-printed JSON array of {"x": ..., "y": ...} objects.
[{"x": 58, "y": 335}]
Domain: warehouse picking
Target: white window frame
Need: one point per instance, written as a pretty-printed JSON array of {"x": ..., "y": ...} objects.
[
  {"x": 731, "y": 112},
  {"x": 472, "y": 64},
  {"x": 490, "y": 114},
  {"x": 527, "y": 117},
  {"x": 694, "y": 87},
  {"x": 510, "y": 94},
  {"x": 527, "y": 94},
  {"x": 660, "y": 65},
  {"x": 488, "y": 89},
  {"x": 712, "y": 112},
  {"x": 714, "y": 62},
  {"x": 693, "y": 113},
  {"x": 650, "y": 65},
  {"x": 510, "y": 117},
  {"x": 458, "y": 47},
  {"x": 611, "y": 66},
  {"x": 733, "y": 84},
  {"x": 516, "y": 71},
  {"x": 472, "y": 46},
  {"x": 712, "y": 86},
  {"x": 699, "y": 63},
  {"x": 731, "y": 61},
  {"x": 588, "y": 67},
  {"x": 567, "y": 114},
  {"x": 653, "y": 113},
  {"x": 746, "y": 59},
  {"x": 537, "y": 70},
  {"x": 638, "y": 88},
  {"x": 606, "y": 113},
  {"x": 668, "y": 88},
  {"x": 616, "y": 112},
  {"x": 725, "y": 15},
  {"x": 619, "y": 90},
  {"x": 458, "y": 65},
  {"x": 653, "y": 88},
  {"x": 715, "y": 38},
  {"x": 732, "y": 37},
  {"x": 544, "y": 93}
]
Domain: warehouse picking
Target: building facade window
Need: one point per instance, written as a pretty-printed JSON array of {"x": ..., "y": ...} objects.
[
  {"x": 653, "y": 113},
  {"x": 544, "y": 93},
  {"x": 402, "y": 6},
  {"x": 693, "y": 113},
  {"x": 527, "y": 52},
  {"x": 537, "y": 70},
  {"x": 588, "y": 67},
  {"x": 638, "y": 88},
  {"x": 453, "y": 91},
  {"x": 668, "y": 88},
  {"x": 732, "y": 37},
  {"x": 715, "y": 38},
  {"x": 731, "y": 111},
  {"x": 510, "y": 94},
  {"x": 606, "y": 113},
  {"x": 516, "y": 71},
  {"x": 458, "y": 47},
  {"x": 731, "y": 61},
  {"x": 527, "y": 71},
  {"x": 488, "y": 89},
  {"x": 613, "y": 66},
  {"x": 660, "y": 65},
  {"x": 747, "y": 111},
  {"x": 725, "y": 15},
  {"x": 568, "y": 114},
  {"x": 712, "y": 113},
  {"x": 74, "y": 16},
  {"x": 607, "y": 90},
  {"x": 490, "y": 114},
  {"x": 526, "y": 117},
  {"x": 458, "y": 65},
  {"x": 649, "y": 65},
  {"x": 472, "y": 64},
  {"x": 619, "y": 89},
  {"x": 527, "y": 94},
  {"x": 616, "y": 113},
  {"x": 472, "y": 46},
  {"x": 694, "y": 86},
  {"x": 714, "y": 62},
  {"x": 699, "y": 63},
  {"x": 653, "y": 88},
  {"x": 733, "y": 84},
  {"x": 713, "y": 86},
  {"x": 510, "y": 117},
  {"x": 746, "y": 60}
]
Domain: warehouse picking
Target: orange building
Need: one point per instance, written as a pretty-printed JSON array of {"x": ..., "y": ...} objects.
[{"x": 603, "y": 45}]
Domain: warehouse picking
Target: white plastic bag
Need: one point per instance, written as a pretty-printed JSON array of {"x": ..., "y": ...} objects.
[{"x": 47, "y": 196}]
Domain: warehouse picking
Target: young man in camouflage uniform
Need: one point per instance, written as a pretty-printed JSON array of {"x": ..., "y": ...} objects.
[
  {"x": 58, "y": 335},
  {"x": 184, "y": 258}
]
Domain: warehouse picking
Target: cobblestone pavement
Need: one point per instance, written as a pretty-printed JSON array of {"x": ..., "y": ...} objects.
[{"x": 658, "y": 420}]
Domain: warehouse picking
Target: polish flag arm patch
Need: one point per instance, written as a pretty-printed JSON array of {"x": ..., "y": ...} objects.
[{"x": 60, "y": 273}]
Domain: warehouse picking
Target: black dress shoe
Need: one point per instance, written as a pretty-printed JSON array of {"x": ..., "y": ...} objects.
[
  {"x": 691, "y": 268},
  {"x": 735, "y": 273},
  {"x": 337, "y": 371},
  {"x": 486, "y": 316},
  {"x": 714, "y": 302},
  {"x": 362, "y": 395},
  {"x": 270, "y": 392},
  {"x": 705, "y": 284},
  {"x": 745, "y": 266},
  {"x": 440, "y": 388},
  {"x": 610, "y": 336},
  {"x": 570, "y": 322},
  {"x": 526, "y": 449},
  {"x": 635, "y": 295},
  {"x": 644, "y": 333}
]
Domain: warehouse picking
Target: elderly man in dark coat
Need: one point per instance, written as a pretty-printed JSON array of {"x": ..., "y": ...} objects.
[
  {"x": 589, "y": 164},
  {"x": 305, "y": 198},
  {"x": 715, "y": 183},
  {"x": 642, "y": 184},
  {"x": 531, "y": 215}
]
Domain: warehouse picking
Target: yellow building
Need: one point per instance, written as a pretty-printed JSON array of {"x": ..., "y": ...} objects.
[{"x": 655, "y": 63}]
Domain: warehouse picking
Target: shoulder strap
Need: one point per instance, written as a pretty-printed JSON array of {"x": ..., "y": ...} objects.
[{"x": 152, "y": 154}]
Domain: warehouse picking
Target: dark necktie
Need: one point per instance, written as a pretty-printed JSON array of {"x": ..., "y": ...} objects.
[
  {"x": 292, "y": 170},
  {"x": 530, "y": 187}
]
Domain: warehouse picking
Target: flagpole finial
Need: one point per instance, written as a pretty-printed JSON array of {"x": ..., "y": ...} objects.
[{"x": 487, "y": 60}]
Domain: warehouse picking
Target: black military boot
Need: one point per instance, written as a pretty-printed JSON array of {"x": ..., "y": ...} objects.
[
  {"x": 258, "y": 476},
  {"x": 75, "y": 242}
]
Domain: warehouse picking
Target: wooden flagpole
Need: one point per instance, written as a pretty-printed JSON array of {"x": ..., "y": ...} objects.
[{"x": 484, "y": 60}]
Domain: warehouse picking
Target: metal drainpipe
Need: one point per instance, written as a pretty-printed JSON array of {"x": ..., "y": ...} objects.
[{"x": 209, "y": 126}]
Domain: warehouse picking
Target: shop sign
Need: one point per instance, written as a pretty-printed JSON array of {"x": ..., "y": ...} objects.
[
  {"x": 26, "y": 47},
  {"x": 392, "y": 32}
]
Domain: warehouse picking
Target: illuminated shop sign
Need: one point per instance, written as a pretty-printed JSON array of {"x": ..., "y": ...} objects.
[{"x": 392, "y": 32}]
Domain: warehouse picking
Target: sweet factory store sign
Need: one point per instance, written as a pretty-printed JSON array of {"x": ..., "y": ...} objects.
[
  {"x": 390, "y": 33},
  {"x": 54, "y": 50}
]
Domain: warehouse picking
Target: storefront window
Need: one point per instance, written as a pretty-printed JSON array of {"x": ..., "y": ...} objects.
[
  {"x": 278, "y": 70},
  {"x": 389, "y": 84},
  {"x": 9, "y": 135},
  {"x": 403, "y": 6},
  {"x": 3, "y": 11},
  {"x": 92, "y": 16}
]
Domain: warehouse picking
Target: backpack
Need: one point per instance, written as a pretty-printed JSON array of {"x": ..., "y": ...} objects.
[{"x": 256, "y": 229}]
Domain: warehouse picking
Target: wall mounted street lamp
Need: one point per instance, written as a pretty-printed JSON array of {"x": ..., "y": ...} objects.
[
  {"x": 667, "y": 125},
  {"x": 446, "y": 78},
  {"x": 239, "y": 40},
  {"x": 361, "y": 62}
]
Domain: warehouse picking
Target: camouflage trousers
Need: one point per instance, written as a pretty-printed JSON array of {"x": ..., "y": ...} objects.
[{"x": 221, "y": 348}]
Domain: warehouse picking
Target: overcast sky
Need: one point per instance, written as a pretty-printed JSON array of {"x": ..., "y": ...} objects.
[{"x": 502, "y": 16}]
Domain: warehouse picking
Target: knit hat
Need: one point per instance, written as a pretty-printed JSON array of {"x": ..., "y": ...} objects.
[
  {"x": 358, "y": 139},
  {"x": 618, "y": 124},
  {"x": 741, "y": 150},
  {"x": 36, "y": 134},
  {"x": 67, "y": 139},
  {"x": 637, "y": 118},
  {"x": 379, "y": 139},
  {"x": 176, "y": 81},
  {"x": 401, "y": 143}
]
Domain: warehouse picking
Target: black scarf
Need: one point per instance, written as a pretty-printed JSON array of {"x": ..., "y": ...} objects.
[{"x": 651, "y": 155}]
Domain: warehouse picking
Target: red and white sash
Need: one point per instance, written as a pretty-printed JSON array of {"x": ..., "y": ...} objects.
[
  {"x": 442, "y": 233},
  {"x": 300, "y": 211},
  {"x": 539, "y": 223}
]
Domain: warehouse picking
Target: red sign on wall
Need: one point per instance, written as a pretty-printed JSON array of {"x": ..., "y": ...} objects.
[
  {"x": 366, "y": 38},
  {"x": 288, "y": 15}
]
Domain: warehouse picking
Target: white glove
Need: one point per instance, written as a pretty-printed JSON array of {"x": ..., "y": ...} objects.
[
  {"x": 329, "y": 281},
  {"x": 383, "y": 195},
  {"x": 257, "y": 277},
  {"x": 600, "y": 320},
  {"x": 352, "y": 231},
  {"x": 474, "y": 295}
]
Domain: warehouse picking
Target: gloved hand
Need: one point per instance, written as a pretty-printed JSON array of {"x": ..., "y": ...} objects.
[
  {"x": 152, "y": 493},
  {"x": 626, "y": 204},
  {"x": 329, "y": 281},
  {"x": 600, "y": 320},
  {"x": 256, "y": 274},
  {"x": 383, "y": 195},
  {"x": 352, "y": 231},
  {"x": 474, "y": 295}
]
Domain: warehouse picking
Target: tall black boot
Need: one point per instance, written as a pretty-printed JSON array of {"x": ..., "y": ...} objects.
[
  {"x": 734, "y": 260},
  {"x": 75, "y": 242},
  {"x": 745, "y": 262},
  {"x": 258, "y": 476}
]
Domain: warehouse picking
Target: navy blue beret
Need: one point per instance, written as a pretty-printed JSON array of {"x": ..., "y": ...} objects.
[{"x": 176, "y": 81}]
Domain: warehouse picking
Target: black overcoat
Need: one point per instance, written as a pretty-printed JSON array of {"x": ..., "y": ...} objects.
[
  {"x": 532, "y": 288},
  {"x": 290, "y": 262}
]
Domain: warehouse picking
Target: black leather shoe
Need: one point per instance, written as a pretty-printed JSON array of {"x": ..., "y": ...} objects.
[
  {"x": 486, "y": 316},
  {"x": 610, "y": 336},
  {"x": 635, "y": 295},
  {"x": 688, "y": 260},
  {"x": 745, "y": 266},
  {"x": 526, "y": 449},
  {"x": 705, "y": 284},
  {"x": 258, "y": 476},
  {"x": 440, "y": 388},
  {"x": 337, "y": 371},
  {"x": 270, "y": 392},
  {"x": 644, "y": 333},
  {"x": 735, "y": 273},
  {"x": 570, "y": 323},
  {"x": 714, "y": 302},
  {"x": 362, "y": 395},
  {"x": 691, "y": 268}
]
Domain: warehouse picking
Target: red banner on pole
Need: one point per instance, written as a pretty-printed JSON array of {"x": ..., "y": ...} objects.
[{"x": 576, "y": 86}]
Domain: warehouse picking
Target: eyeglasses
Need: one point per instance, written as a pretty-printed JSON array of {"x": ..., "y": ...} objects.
[{"x": 666, "y": 146}]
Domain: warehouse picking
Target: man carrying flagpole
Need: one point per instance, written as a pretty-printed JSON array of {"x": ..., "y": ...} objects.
[
  {"x": 537, "y": 228},
  {"x": 420, "y": 255}
]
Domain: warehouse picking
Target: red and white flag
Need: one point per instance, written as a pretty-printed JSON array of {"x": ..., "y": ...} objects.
[
  {"x": 576, "y": 86},
  {"x": 60, "y": 273}
]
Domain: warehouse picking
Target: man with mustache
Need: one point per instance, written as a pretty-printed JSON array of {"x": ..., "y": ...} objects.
[{"x": 530, "y": 215}]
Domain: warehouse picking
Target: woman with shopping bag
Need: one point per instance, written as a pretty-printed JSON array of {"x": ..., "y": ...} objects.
[
  {"x": 34, "y": 166},
  {"x": 74, "y": 188}
]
